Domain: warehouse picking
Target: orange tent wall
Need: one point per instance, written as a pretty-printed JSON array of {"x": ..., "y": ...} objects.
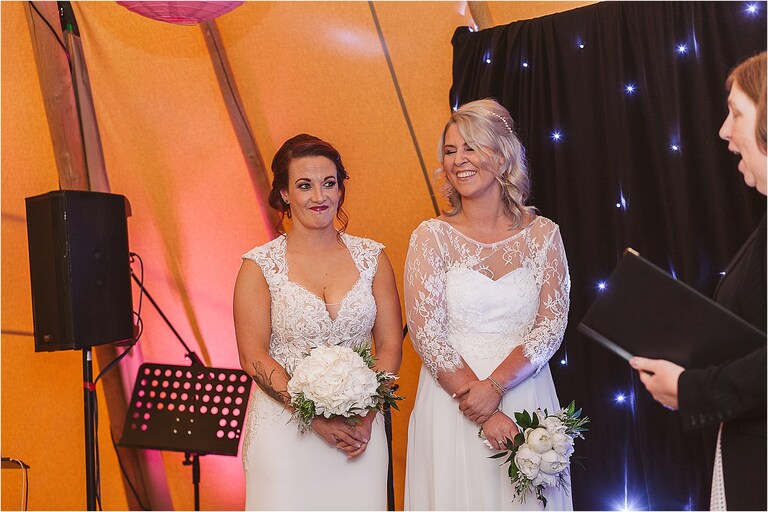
[{"x": 169, "y": 146}]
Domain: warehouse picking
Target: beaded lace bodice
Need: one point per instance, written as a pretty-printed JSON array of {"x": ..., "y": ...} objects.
[
  {"x": 466, "y": 298},
  {"x": 299, "y": 317}
]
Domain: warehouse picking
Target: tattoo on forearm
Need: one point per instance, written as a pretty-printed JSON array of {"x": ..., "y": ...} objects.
[{"x": 264, "y": 381}]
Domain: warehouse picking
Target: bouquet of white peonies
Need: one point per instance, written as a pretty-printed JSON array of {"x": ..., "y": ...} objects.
[
  {"x": 339, "y": 381},
  {"x": 540, "y": 455}
]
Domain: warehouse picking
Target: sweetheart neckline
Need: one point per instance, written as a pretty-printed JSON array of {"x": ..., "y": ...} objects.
[
  {"x": 488, "y": 244},
  {"x": 475, "y": 271}
]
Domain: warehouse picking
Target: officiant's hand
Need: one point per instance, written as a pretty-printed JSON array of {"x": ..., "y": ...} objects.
[
  {"x": 478, "y": 400},
  {"x": 340, "y": 433},
  {"x": 498, "y": 428},
  {"x": 660, "y": 378}
]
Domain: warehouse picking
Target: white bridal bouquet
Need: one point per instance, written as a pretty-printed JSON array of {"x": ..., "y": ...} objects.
[
  {"x": 339, "y": 381},
  {"x": 540, "y": 455}
]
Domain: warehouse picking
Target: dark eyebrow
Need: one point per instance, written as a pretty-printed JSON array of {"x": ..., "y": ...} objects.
[{"x": 329, "y": 177}]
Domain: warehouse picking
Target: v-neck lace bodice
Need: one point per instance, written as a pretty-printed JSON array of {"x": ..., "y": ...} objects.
[
  {"x": 300, "y": 319},
  {"x": 304, "y": 289}
]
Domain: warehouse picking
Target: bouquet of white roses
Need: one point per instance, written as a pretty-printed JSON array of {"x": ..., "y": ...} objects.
[
  {"x": 540, "y": 455},
  {"x": 339, "y": 381}
]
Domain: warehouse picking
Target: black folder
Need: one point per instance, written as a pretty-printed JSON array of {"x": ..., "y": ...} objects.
[{"x": 644, "y": 311}]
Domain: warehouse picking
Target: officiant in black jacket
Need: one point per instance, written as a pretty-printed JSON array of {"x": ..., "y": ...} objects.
[{"x": 732, "y": 394}]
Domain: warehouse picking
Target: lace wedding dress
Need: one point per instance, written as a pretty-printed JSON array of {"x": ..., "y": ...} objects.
[
  {"x": 474, "y": 301},
  {"x": 285, "y": 470}
]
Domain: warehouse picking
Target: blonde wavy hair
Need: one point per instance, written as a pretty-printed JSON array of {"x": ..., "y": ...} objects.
[{"x": 488, "y": 129}]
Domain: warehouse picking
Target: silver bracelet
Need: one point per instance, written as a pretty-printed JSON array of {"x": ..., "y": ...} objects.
[{"x": 498, "y": 386}]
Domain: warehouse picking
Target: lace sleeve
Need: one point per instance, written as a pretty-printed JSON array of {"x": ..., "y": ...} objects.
[
  {"x": 546, "y": 333},
  {"x": 425, "y": 305}
]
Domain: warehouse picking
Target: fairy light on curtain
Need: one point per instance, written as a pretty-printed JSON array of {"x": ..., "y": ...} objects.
[
  {"x": 675, "y": 144},
  {"x": 622, "y": 203}
]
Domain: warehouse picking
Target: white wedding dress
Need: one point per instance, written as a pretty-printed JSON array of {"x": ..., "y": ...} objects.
[
  {"x": 285, "y": 470},
  {"x": 474, "y": 301}
]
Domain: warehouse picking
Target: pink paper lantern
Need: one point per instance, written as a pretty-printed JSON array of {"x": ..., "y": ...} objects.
[{"x": 181, "y": 13}]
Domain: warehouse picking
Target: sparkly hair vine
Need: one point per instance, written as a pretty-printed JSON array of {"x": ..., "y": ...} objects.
[{"x": 500, "y": 117}]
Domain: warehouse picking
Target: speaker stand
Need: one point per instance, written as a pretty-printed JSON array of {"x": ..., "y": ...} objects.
[
  {"x": 89, "y": 401},
  {"x": 193, "y": 459}
]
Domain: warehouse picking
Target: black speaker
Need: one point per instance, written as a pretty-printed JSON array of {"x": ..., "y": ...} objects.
[{"x": 79, "y": 269}]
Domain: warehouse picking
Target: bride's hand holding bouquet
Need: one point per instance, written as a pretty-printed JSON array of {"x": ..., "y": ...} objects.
[
  {"x": 351, "y": 438},
  {"x": 539, "y": 455},
  {"x": 337, "y": 392},
  {"x": 497, "y": 429}
]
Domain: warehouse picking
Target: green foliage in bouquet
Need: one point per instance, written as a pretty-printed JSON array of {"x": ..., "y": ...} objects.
[
  {"x": 544, "y": 463},
  {"x": 303, "y": 412},
  {"x": 385, "y": 393}
]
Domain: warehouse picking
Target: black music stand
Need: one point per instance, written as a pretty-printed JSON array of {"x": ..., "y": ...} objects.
[{"x": 190, "y": 409}]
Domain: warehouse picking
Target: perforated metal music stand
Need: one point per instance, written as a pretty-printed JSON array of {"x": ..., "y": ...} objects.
[{"x": 190, "y": 409}]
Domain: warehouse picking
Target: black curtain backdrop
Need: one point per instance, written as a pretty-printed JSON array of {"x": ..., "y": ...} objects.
[{"x": 636, "y": 92}]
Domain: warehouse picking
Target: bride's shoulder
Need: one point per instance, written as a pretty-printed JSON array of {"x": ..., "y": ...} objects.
[
  {"x": 368, "y": 244},
  {"x": 264, "y": 250},
  {"x": 538, "y": 224},
  {"x": 430, "y": 228},
  {"x": 435, "y": 224}
]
